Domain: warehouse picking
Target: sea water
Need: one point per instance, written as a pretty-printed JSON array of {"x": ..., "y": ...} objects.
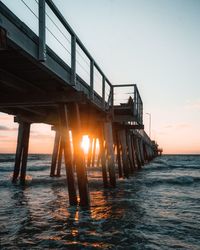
[{"x": 157, "y": 208}]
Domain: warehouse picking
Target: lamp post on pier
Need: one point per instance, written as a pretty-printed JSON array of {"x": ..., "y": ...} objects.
[{"x": 149, "y": 114}]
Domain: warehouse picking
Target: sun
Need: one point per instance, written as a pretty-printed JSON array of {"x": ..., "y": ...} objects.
[{"x": 85, "y": 143}]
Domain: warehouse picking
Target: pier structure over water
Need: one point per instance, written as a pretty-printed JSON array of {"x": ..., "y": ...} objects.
[{"x": 43, "y": 80}]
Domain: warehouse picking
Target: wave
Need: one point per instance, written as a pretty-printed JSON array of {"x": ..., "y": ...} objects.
[
  {"x": 179, "y": 180},
  {"x": 3, "y": 170},
  {"x": 158, "y": 166},
  {"x": 35, "y": 168},
  {"x": 30, "y": 181},
  {"x": 191, "y": 166},
  {"x": 7, "y": 158},
  {"x": 38, "y": 157},
  {"x": 31, "y": 157}
]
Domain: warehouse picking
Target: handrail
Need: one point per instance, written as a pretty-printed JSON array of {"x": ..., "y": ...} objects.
[
  {"x": 107, "y": 88},
  {"x": 72, "y": 32},
  {"x": 75, "y": 40},
  {"x": 137, "y": 108}
]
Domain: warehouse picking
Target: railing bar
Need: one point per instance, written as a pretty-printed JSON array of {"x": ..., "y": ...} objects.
[
  {"x": 58, "y": 40},
  {"x": 124, "y": 93},
  {"x": 58, "y": 28},
  {"x": 56, "y": 25},
  {"x": 60, "y": 16},
  {"x": 98, "y": 68},
  {"x": 124, "y": 85},
  {"x": 82, "y": 47},
  {"x": 83, "y": 58},
  {"x": 98, "y": 76},
  {"x": 108, "y": 82},
  {"x": 90, "y": 57},
  {"x": 29, "y": 9},
  {"x": 71, "y": 31},
  {"x": 98, "y": 73},
  {"x": 82, "y": 67}
]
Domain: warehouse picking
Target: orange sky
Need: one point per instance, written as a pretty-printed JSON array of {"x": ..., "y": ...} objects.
[{"x": 174, "y": 139}]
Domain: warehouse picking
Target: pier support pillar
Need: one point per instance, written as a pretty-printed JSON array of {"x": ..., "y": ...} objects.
[
  {"x": 146, "y": 154},
  {"x": 60, "y": 153},
  {"x": 124, "y": 153},
  {"x": 65, "y": 142},
  {"x": 134, "y": 152},
  {"x": 103, "y": 156},
  {"x": 98, "y": 159},
  {"x": 89, "y": 157},
  {"x": 138, "y": 157},
  {"x": 94, "y": 152},
  {"x": 108, "y": 133},
  {"x": 55, "y": 153},
  {"x": 130, "y": 154},
  {"x": 79, "y": 155},
  {"x": 141, "y": 148},
  {"x": 21, "y": 152},
  {"x": 118, "y": 145}
]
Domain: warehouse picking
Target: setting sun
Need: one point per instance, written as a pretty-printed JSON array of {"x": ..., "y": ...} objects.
[{"x": 85, "y": 144}]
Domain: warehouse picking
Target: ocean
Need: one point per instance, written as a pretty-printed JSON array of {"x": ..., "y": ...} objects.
[{"x": 157, "y": 208}]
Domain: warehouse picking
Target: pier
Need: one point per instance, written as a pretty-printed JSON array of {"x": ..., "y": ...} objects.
[{"x": 37, "y": 85}]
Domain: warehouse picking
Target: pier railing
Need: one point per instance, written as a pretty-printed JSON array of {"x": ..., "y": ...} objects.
[
  {"x": 127, "y": 101},
  {"x": 54, "y": 33}
]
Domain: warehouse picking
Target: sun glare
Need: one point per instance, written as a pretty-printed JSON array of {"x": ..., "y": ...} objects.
[{"x": 85, "y": 144}]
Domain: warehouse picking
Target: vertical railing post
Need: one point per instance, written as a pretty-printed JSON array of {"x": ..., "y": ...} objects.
[
  {"x": 141, "y": 112},
  {"x": 92, "y": 79},
  {"x": 137, "y": 108},
  {"x": 73, "y": 59},
  {"x": 112, "y": 100},
  {"x": 134, "y": 100},
  {"x": 103, "y": 90},
  {"x": 112, "y": 95},
  {"x": 42, "y": 33}
]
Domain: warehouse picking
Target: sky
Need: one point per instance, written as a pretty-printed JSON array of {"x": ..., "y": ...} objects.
[{"x": 153, "y": 43}]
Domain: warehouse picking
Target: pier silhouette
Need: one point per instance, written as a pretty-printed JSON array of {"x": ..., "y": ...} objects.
[{"x": 48, "y": 76}]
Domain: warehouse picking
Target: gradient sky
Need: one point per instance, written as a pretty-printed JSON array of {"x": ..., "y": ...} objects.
[{"x": 153, "y": 43}]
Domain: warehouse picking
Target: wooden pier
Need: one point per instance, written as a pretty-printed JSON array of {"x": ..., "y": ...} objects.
[{"x": 38, "y": 86}]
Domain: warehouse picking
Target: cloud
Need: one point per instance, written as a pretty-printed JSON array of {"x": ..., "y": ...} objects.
[
  {"x": 183, "y": 125},
  {"x": 4, "y": 128},
  {"x": 177, "y": 126},
  {"x": 193, "y": 105},
  {"x": 169, "y": 126}
]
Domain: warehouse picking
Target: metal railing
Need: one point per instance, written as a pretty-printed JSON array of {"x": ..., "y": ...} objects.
[
  {"x": 55, "y": 33},
  {"x": 129, "y": 94}
]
